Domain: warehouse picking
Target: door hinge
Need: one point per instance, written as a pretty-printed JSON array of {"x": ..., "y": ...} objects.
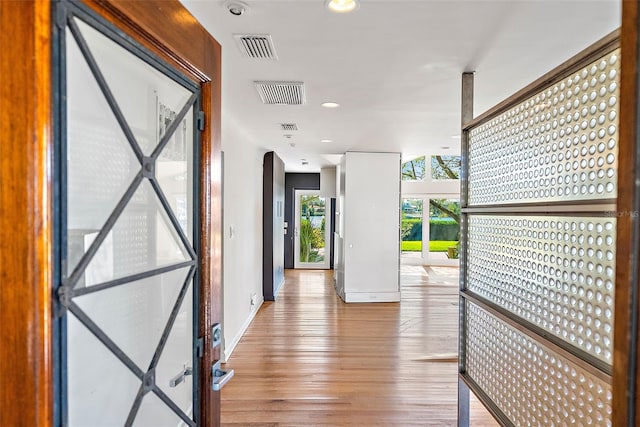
[
  {"x": 200, "y": 120},
  {"x": 200, "y": 347}
]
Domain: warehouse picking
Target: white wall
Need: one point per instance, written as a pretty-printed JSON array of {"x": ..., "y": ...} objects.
[
  {"x": 242, "y": 250},
  {"x": 328, "y": 181},
  {"x": 338, "y": 274},
  {"x": 371, "y": 211},
  {"x": 448, "y": 188}
]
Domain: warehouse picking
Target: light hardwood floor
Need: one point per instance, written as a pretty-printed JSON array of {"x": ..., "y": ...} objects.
[{"x": 310, "y": 360}]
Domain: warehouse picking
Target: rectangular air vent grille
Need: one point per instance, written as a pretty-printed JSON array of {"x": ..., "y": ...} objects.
[
  {"x": 288, "y": 126},
  {"x": 257, "y": 46},
  {"x": 281, "y": 93}
]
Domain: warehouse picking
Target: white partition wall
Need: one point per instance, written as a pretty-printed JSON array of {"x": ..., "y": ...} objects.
[{"x": 369, "y": 235}]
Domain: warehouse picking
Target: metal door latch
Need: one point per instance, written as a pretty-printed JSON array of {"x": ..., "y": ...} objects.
[{"x": 187, "y": 370}]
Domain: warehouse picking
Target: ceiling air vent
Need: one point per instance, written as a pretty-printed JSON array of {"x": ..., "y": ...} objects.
[
  {"x": 288, "y": 126},
  {"x": 257, "y": 46},
  {"x": 281, "y": 93}
]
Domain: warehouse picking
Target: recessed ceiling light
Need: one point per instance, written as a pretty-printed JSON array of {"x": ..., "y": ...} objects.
[
  {"x": 236, "y": 8},
  {"x": 342, "y": 6},
  {"x": 444, "y": 148},
  {"x": 455, "y": 136},
  {"x": 326, "y": 140},
  {"x": 330, "y": 104}
]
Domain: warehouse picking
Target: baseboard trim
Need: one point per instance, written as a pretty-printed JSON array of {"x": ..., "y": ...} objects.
[
  {"x": 228, "y": 349},
  {"x": 371, "y": 297}
]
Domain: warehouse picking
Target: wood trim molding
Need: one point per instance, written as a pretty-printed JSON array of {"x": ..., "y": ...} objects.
[
  {"x": 624, "y": 372},
  {"x": 166, "y": 28},
  {"x": 26, "y": 396}
]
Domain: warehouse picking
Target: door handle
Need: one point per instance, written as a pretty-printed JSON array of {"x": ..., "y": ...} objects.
[
  {"x": 220, "y": 377},
  {"x": 187, "y": 370}
]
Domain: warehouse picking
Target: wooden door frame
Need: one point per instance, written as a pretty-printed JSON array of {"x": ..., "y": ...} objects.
[
  {"x": 26, "y": 395},
  {"x": 626, "y": 360},
  {"x": 168, "y": 30}
]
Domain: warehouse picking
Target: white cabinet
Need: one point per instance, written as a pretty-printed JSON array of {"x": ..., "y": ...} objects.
[{"x": 368, "y": 243}]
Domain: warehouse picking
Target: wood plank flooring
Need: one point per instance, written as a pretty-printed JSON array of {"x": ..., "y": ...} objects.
[{"x": 308, "y": 359}]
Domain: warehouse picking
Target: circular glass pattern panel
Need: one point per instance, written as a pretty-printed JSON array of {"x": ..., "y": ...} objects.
[
  {"x": 545, "y": 148},
  {"x": 530, "y": 383},
  {"x": 555, "y": 272}
]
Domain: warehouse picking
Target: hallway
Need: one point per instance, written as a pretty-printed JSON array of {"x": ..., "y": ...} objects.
[{"x": 309, "y": 359}]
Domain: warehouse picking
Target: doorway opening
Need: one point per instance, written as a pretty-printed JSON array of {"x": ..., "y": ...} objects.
[{"x": 312, "y": 230}]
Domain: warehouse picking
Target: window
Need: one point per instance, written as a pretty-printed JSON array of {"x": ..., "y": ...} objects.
[
  {"x": 411, "y": 227},
  {"x": 444, "y": 228},
  {"x": 444, "y": 167},
  {"x": 441, "y": 228},
  {"x": 414, "y": 170}
]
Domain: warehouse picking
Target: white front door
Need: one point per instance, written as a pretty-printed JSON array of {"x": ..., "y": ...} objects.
[{"x": 312, "y": 230}]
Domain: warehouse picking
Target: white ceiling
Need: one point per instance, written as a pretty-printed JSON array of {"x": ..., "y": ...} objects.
[{"x": 393, "y": 65}]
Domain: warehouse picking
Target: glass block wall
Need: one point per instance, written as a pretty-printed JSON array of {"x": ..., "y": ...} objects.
[{"x": 538, "y": 266}]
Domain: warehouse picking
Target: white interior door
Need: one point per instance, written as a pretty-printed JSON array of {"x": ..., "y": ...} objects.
[{"x": 312, "y": 230}]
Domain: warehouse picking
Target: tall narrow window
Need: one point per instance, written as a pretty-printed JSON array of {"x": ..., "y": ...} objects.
[
  {"x": 444, "y": 228},
  {"x": 411, "y": 228}
]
